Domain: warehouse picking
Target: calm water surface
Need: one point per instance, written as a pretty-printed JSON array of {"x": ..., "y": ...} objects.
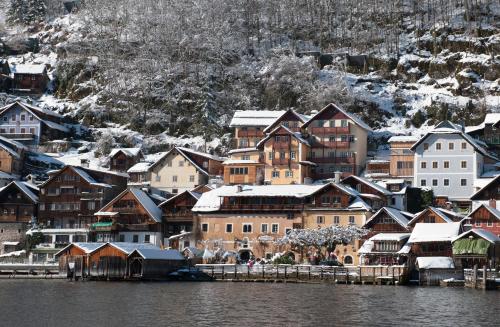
[{"x": 63, "y": 303}]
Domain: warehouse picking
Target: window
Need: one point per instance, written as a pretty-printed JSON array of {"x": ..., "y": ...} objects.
[
  {"x": 320, "y": 219},
  {"x": 446, "y": 164},
  {"x": 122, "y": 238},
  {"x": 292, "y": 155},
  {"x": 271, "y": 155},
  {"x": 438, "y": 146},
  {"x": 147, "y": 238},
  {"x": 282, "y": 155},
  {"x": 204, "y": 227},
  {"x": 336, "y": 220},
  {"x": 351, "y": 139},
  {"x": 13, "y": 118},
  {"x": 451, "y": 146},
  {"x": 434, "y": 164},
  {"x": 325, "y": 199},
  {"x": 287, "y": 230},
  {"x": 464, "y": 145},
  {"x": 423, "y": 182},
  {"x": 174, "y": 178},
  {"x": 348, "y": 260},
  {"x": 91, "y": 205},
  {"x": 32, "y": 118},
  {"x": 351, "y": 220},
  {"x": 289, "y": 173},
  {"x": 423, "y": 165},
  {"x": 32, "y": 131},
  {"x": 463, "y": 164},
  {"x": 245, "y": 157},
  {"x": 343, "y": 123},
  {"x": 229, "y": 228},
  {"x": 430, "y": 220},
  {"x": 434, "y": 182},
  {"x": 23, "y": 117},
  {"x": 274, "y": 228},
  {"x": 169, "y": 164},
  {"x": 446, "y": 182},
  {"x": 489, "y": 223},
  {"x": 158, "y": 178},
  {"x": 191, "y": 178},
  {"x": 463, "y": 182},
  {"x": 263, "y": 228},
  {"x": 239, "y": 171},
  {"x": 135, "y": 238},
  {"x": 175, "y": 191},
  {"x": 247, "y": 228},
  {"x": 41, "y": 206},
  {"x": 426, "y": 146},
  {"x": 181, "y": 163},
  {"x": 275, "y": 174},
  {"x": 477, "y": 224}
]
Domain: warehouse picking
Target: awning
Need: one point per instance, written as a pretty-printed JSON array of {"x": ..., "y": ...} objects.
[{"x": 471, "y": 246}]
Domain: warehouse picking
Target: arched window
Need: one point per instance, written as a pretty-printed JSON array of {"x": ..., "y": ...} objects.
[{"x": 347, "y": 260}]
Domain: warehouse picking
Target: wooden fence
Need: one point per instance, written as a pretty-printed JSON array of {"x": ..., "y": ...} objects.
[{"x": 351, "y": 274}]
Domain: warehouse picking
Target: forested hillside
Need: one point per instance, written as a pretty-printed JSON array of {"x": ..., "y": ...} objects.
[{"x": 180, "y": 68}]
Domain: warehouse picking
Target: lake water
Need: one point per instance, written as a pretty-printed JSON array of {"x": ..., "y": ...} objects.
[{"x": 64, "y": 303}]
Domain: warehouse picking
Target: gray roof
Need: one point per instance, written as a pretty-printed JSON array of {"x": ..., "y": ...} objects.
[
  {"x": 396, "y": 214},
  {"x": 87, "y": 247},
  {"x": 158, "y": 254},
  {"x": 353, "y": 117},
  {"x": 148, "y": 204},
  {"x": 484, "y": 234},
  {"x": 129, "y": 247}
]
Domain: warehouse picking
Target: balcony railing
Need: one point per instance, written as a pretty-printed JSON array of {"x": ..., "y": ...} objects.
[
  {"x": 337, "y": 144},
  {"x": 348, "y": 160},
  {"x": 281, "y": 145},
  {"x": 281, "y": 161},
  {"x": 18, "y": 136},
  {"x": 250, "y": 133},
  {"x": 264, "y": 207},
  {"x": 330, "y": 130}
]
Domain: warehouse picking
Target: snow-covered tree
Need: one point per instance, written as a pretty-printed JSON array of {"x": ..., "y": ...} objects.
[
  {"x": 27, "y": 11},
  {"x": 104, "y": 144}
]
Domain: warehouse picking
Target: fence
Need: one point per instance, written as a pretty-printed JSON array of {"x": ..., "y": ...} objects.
[
  {"x": 351, "y": 274},
  {"x": 481, "y": 278}
]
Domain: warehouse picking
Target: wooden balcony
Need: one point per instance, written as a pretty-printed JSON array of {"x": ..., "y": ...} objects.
[
  {"x": 339, "y": 160},
  {"x": 330, "y": 130},
  {"x": 281, "y": 145},
  {"x": 277, "y": 162},
  {"x": 249, "y": 133},
  {"x": 337, "y": 144},
  {"x": 262, "y": 207}
]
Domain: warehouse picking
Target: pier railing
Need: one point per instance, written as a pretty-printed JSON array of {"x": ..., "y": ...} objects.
[
  {"x": 481, "y": 278},
  {"x": 346, "y": 274}
]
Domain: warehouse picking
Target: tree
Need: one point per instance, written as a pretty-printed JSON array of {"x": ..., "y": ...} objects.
[
  {"x": 27, "y": 11},
  {"x": 32, "y": 240},
  {"x": 322, "y": 238},
  {"x": 104, "y": 144}
]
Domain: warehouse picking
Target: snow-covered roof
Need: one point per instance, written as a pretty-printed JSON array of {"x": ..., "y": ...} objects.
[
  {"x": 158, "y": 254},
  {"x": 494, "y": 211},
  {"x": 29, "y": 193},
  {"x": 128, "y": 247},
  {"x": 12, "y": 243},
  {"x": 242, "y": 150},
  {"x": 400, "y": 217},
  {"x": 438, "y": 232},
  {"x": 353, "y": 117},
  {"x": 140, "y": 167},
  {"x": 402, "y": 138},
  {"x": 435, "y": 263},
  {"x": 12, "y": 144},
  {"x": 494, "y": 181},
  {"x": 53, "y": 125},
  {"x": 129, "y": 152},
  {"x": 86, "y": 247},
  {"x": 5, "y": 176},
  {"x": 371, "y": 184},
  {"x": 358, "y": 204},
  {"x": 302, "y": 118},
  {"x": 195, "y": 195},
  {"x": 148, "y": 204},
  {"x": 443, "y": 213},
  {"x": 405, "y": 249},
  {"x": 89, "y": 179},
  {"x": 446, "y": 127},
  {"x": 9, "y": 150},
  {"x": 258, "y": 118},
  {"x": 296, "y": 135},
  {"x": 366, "y": 247},
  {"x": 490, "y": 119},
  {"x": 28, "y": 69},
  {"x": 201, "y": 154},
  {"x": 390, "y": 237},
  {"x": 482, "y": 233}
]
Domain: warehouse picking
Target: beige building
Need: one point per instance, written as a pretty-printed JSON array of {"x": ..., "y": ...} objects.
[
  {"x": 402, "y": 157},
  {"x": 296, "y": 148},
  {"x": 176, "y": 171},
  {"x": 249, "y": 219}
]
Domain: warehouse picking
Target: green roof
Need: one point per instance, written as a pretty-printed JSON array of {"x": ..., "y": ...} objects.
[{"x": 471, "y": 246}]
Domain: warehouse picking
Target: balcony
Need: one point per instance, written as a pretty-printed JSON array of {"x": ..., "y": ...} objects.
[
  {"x": 249, "y": 133},
  {"x": 281, "y": 145},
  {"x": 262, "y": 207},
  {"x": 330, "y": 130},
  {"x": 337, "y": 144},
  {"x": 339, "y": 160},
  {"x": 277, "y": 162},
  {"x": 13, "y": 136}
]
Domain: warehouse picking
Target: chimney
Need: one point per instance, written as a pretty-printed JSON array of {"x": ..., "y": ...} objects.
[
  {"x": 84, "y": 163},
  {"x": 337, "y": 177},
  {"x": 493, "y": 203},
  {"x": 239, "y": 188}
]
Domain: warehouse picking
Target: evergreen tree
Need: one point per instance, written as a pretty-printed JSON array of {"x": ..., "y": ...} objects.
[{"x": 27, "y": 11}]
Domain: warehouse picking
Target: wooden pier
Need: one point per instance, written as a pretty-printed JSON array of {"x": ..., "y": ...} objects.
[
  {"x": 486, "y": 279},
  {"x": 29, "y": 271},
  {"x": 381, "y": 275}
]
